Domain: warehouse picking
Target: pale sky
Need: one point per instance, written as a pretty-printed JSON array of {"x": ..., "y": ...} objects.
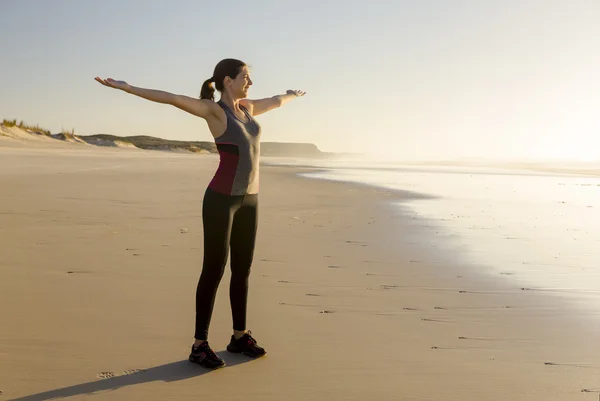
[{"x": 417, "y": 79}]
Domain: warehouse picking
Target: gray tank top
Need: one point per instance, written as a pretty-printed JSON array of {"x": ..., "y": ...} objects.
[{"x": 239, "y": 151}]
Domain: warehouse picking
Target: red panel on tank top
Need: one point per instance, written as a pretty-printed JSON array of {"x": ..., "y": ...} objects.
[{"x": 222, "y": 182}]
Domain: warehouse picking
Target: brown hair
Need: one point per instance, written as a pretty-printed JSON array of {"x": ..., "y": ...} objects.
[{"x": 228, "y": 67}]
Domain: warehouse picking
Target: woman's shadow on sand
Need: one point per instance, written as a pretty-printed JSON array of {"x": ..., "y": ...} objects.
[{"x": 169, "y": 372}]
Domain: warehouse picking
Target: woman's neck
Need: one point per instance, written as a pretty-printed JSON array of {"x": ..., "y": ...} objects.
[{"x": 230, "y": 101}]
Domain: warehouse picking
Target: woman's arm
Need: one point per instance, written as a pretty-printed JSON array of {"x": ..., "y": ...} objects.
[
  {"x": 260, "y": 106},
  {"x": 198, "y": 107}
]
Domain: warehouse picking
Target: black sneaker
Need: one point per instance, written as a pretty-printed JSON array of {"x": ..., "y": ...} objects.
[
  {"x": 246, "y": 345},
  {"x": 205, "y": 357}
]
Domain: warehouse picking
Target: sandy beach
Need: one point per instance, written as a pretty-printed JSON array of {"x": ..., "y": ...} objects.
[{"x": 101, "y": 250}]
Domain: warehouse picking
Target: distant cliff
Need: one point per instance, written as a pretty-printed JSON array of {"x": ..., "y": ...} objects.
[
  {"x": 150, "y": 143},
  {"x": 286, "y": 149}
]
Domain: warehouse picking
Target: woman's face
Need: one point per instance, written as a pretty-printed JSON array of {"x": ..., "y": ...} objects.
[{"x": 240, "y": 85}]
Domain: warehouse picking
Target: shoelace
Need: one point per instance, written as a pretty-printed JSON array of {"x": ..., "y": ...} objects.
[
  {"x": 251, "y": 340},
  {"x": 211, "y": 353},
  {"x": 208, "y": 350}
]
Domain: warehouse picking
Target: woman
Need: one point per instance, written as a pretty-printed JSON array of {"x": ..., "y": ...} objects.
[{"x": 229, "y": 210}]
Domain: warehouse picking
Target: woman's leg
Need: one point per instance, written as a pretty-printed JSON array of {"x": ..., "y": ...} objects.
[
  {"x": 217, "y": 213},
  {"x": 243, "y": 238}
]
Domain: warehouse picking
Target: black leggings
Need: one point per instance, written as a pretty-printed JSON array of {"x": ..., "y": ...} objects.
[{"x": 229, "y": 220}]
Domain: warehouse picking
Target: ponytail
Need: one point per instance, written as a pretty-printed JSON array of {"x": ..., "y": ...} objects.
[
  {"x": 208, "y": 90},
  {"x": 228, "y": 67}
]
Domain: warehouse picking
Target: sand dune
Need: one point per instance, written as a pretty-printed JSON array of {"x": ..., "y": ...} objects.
[
  {"x": 23, "y": 135},
  {"x": 15, "y": 137},
  {"x": 111, "y": 143},
  {"x": 67, "y": 137}
]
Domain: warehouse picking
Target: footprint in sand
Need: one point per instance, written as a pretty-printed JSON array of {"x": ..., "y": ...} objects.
[
  {"x": 356, "y": 243},
  {"x": 133, "y": 371},
  {"x": 572, "y": 365},
  {"x": 388, "y": 286},
  {"x": 425, "y": 319},
  {"x": 128, "y": 372},
  {"x": 381, "y": 275}
]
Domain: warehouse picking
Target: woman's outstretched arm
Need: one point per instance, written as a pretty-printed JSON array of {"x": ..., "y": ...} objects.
[
  {"x": 198, "y": 107},
  {"x": 261, "y": 106}
]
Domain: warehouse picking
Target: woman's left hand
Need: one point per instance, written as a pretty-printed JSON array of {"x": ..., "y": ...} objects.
[{"x": 295, "y": 92}]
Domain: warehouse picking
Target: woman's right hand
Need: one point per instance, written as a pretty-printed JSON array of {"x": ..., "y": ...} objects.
[{"x": 111, "y": 83}]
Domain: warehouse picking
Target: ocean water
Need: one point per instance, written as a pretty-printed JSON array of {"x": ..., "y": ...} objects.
[{"x": 541, "y": 229}]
